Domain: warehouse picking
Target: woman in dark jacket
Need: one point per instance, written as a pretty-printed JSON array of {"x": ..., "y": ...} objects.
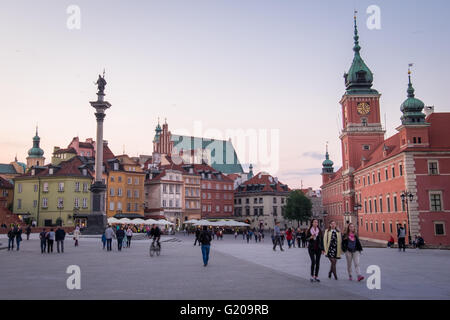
[
  {"x": 352, "y": 248},
  {"x": 315, "y": 248}
]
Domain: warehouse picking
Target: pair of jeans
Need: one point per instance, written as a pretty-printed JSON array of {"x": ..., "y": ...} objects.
[
  {"x": 289, "y": 243},
  {"x": 49, "y": 246},
  {"x": 401, "y": 244},
  {"x": 60, "y": 243},
  {"x": 315, "y": 255},
  {"x": 18, "y": 243},
  {"x": 43, "y": 245},
  {"x": 277, "y": 241},
  {"x": 128, "y": 241},
  {"x": 353, "y": 256},
  {"x": 119, "y": 244},
  {"x": 108, "y": 244},
  {"x": 10, "y": 244},
  {"x": 205, "y": 253}
]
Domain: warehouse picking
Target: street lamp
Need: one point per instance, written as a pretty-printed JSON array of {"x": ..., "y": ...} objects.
[
  {"x": 356, "y": 208},
  {"x": 406, "y": 198}
]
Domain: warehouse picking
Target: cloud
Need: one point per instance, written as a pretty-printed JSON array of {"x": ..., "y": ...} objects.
[
  {"x": 314, "y": 155},
  {"x": 302, "y": 172}
]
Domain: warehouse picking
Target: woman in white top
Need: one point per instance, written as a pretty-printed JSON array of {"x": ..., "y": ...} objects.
[
  {"x": 129, "y": 235},
  {"x": 76, "y": 235}
]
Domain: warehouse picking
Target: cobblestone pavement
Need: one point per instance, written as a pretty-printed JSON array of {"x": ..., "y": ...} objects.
[{"x": 237, "y": 270}]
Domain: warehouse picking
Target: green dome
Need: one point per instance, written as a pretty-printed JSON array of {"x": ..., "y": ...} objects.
[
  {"x": 412, "y": 107},
  {"x": 327, "y": 162},
  {"x": 36, "y": 151},
  {"x": 359, "y": 77}
]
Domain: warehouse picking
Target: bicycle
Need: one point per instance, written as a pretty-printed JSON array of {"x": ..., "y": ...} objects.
[{"x": 155, "y": 248}]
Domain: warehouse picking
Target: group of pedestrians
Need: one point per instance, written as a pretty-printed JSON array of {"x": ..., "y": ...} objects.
[
  {"x": 14, "y": 235},
  {"x": 332, "y": 243},
  {"x": 47, "y": 239},
  {"x": 123, "y": 234}
]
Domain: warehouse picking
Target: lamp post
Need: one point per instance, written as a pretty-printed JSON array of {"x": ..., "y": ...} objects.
[
  {"x": 356, "y": 208},
  {"x": 406, "y": 197}
]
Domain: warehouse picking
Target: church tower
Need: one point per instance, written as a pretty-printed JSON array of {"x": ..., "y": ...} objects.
[{"x": 35, "y": 154}]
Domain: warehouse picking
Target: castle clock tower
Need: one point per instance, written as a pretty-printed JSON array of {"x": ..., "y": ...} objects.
[{"x": 362, "y": 130}]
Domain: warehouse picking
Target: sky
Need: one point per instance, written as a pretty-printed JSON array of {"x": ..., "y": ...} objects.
[{"x": 274, "y": 67}]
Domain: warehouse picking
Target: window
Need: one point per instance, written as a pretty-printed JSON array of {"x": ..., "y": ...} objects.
[
  {"x": 247, "y": 200},
  {"x": 260, "y": 200},
  {"x": 388, "y": 202},
  {"x": 44, "y": 202},
  {"x": 136, "y": 194},
  {"x": 111, "y": 206},
  {"x": 204, "y": 208},
  {"x": 395, "y": 204},
  {"x": 368, "y": 180},
  {"x": 84, "y": 202},
  {"x": 136, "y": 181},
  {"x": 130, "y": 180},
  {"x": 274, "y": 200},
  {"x": 433, "y": 168},
  {"x": 370, "y": 206},
  {"x": 255, "y": 200},
  {"x": 77, "y": 187},
  {"x": 373, "y": 177},
  {"x": 119, "y": 192},
  {"x": 366, "y": 147},
  {"x": 375, "y": 205},
  {"x": 119, "y": 178},
  {"x": 217, "y": 208},
  {"x": 34, "y": 203},
  {"x": 381, "y": 205},
  {"x": 390, "y": 226},
  {"x": 435, "y": 201},
  {"x": 439, "y": 228},
  {"x": 85, "y": 187},
  {"x": 129, "y": 194},
  {"x": 400, "y": 168},
  {"x": 77, "y": 203},
  {"x": 119, "y": 206},
  {"x": 383, "y": 228},
  {"x": 379, "y": 176},
  {"x": 364, "y": 122},
  {"x": 128, "y": 206},
  {"x": 209, "y": 208},
  {"x": 19, "y": 203},
  {"x": 116, "y": 166},
  {"x": 112, "y": 179},
  {"x": 136, "y": 205},
  {"x": 386, "y": 174},
  {"x": 393, "y": 172},
  {"x": 376, "y": 226},
  {"x": 209, "y": 195},
  {"x": 177, "y": 189},
  {"x": 164, "y": 188},
  {"x": 170, "y": 203},
  {"x": 111, "y": 192},
  {"x": 35, "y": 188},
  {"x": 60, "y": 203},
  {"x": 275, "y": 213},
  {"x": 19, "y": 187},
  {"x": 61, "y": 187},
  {"x": 164, "y": 203}
]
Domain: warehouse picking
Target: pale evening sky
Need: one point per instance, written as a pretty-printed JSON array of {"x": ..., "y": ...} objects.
[{"x": 247, "y": 64}]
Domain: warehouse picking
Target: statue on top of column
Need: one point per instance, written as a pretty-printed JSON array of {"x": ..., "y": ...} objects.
[{"x": 101, "y": 83}]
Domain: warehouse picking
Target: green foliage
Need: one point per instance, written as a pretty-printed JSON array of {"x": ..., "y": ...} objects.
[{"x": 298, "y": 207}]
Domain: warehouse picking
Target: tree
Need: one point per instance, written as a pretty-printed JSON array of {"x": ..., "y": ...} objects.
[{"x": 298, "y": 207}]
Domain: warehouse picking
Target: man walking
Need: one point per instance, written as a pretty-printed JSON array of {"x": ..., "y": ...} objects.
[
  {"x": 197, "y": 234},
  {"x": 205, "y": 241},
  {"x": 28, "y": 231},
  {"x": 277, "y": 237},
  {"x": 109, "y": 233},
  {"x": 50, "y": 240},
  {"x": 43, "y": 237},
  {"x": 60, "y": 235},
  {"x": 11, "y": 237},
  {"x": 18, "y": 234},
  {"x": 401, "y": 235},
  {"x": 120, "y": 235}
]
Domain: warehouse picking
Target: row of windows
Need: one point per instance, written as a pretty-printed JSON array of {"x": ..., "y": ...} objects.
[
  {"x": 170, "y": 203},
  {"x": 376, "y": 205},
  {"x": 217, "y": 186},
  {"x": 170, "y": 188},
  {"x": 372, "y": 179},
  {"x": 192, "y": 204},
  {"x": 256, "y": 211},
  {"x": 130, "y": 193},
  {"x": 226, "y": 208},
  {"x": 130, "y": 206},
  {"x": 129, "y": 179},
  {"x": 226, "y": 196},
  {"x": 192, "y": 192},
  {"x": 59, "y": 203},
  {"x": 256, "y": 200},
  {"x": 439, "y": 227},
  {"x": 45, "y": 187}
]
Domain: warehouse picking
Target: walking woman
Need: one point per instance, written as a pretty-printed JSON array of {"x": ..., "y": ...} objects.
[
  {"x": 76, "y": 235},
  {"x": 289, "y": 237},
  {"x": 129, "y": 236},
  {"x": 315, "y": 248},
  {"x": 352, "y": 248},
  {"x": 332, "y": 242}
]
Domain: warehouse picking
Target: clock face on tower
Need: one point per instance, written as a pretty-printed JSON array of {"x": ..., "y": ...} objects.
[{"x": 363, "y": 108}]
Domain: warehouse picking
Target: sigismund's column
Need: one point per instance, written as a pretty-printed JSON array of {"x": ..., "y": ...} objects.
[{"x": 97, "y": 219}]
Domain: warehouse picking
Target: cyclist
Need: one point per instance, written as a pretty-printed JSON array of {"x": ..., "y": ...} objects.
[{"x": 155, "y": 233}]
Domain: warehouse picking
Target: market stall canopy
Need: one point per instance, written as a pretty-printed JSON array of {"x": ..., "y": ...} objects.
[
  {"x": 190, "y": 221},
  {"x": 125, "y": 221},
  {"x": 138, "y": 221}
]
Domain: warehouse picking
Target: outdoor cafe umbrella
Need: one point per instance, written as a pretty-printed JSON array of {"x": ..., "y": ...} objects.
[
  {"x": 137, "y": 221},
  {"x": 150, "y": 222},
  {"x": 125, "y": 221}
]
